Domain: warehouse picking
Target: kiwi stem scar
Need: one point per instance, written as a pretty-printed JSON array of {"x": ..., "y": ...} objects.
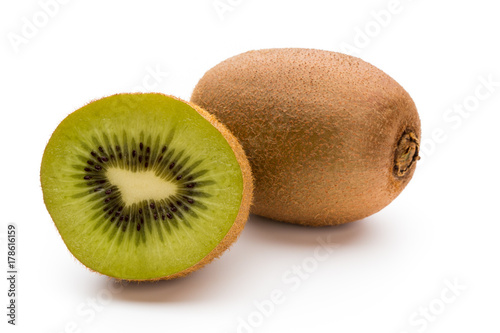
[
  {"x": 136, "y": 187},
  {"x": 406, "y": 153}
]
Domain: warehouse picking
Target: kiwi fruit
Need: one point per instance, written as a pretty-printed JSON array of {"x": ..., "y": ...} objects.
[
  {"x": 145, "y": 186},
  {"x": 330, "y": 138}
]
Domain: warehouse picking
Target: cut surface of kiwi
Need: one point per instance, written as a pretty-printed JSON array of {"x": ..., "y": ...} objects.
[{"x": 145, "y": 186}]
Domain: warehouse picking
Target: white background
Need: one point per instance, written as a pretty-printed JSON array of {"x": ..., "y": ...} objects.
[{"x": 381, "y": 274}]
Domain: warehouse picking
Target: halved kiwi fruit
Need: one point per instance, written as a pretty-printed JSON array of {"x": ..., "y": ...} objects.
[
  {"x": 145, "y": 186},
  {"x": 331, "y": 139}
]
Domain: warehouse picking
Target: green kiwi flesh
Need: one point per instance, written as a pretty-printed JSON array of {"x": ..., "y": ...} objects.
[{"x": 144, "y": 186}]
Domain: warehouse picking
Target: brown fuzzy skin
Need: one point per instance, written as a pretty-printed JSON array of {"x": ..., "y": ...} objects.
[{"x": 322, "y": 131}]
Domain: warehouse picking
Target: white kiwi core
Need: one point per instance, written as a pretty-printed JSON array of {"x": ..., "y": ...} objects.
[{"x": 136, "y": 187}]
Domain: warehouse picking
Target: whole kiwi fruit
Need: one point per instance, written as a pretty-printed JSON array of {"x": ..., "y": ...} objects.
[
  {"x": 330, "y": 138},
  {"x": 145, "y": 186}
]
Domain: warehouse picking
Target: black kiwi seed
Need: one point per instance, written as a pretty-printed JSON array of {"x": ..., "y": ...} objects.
[{"x": 161, "y": 160}]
